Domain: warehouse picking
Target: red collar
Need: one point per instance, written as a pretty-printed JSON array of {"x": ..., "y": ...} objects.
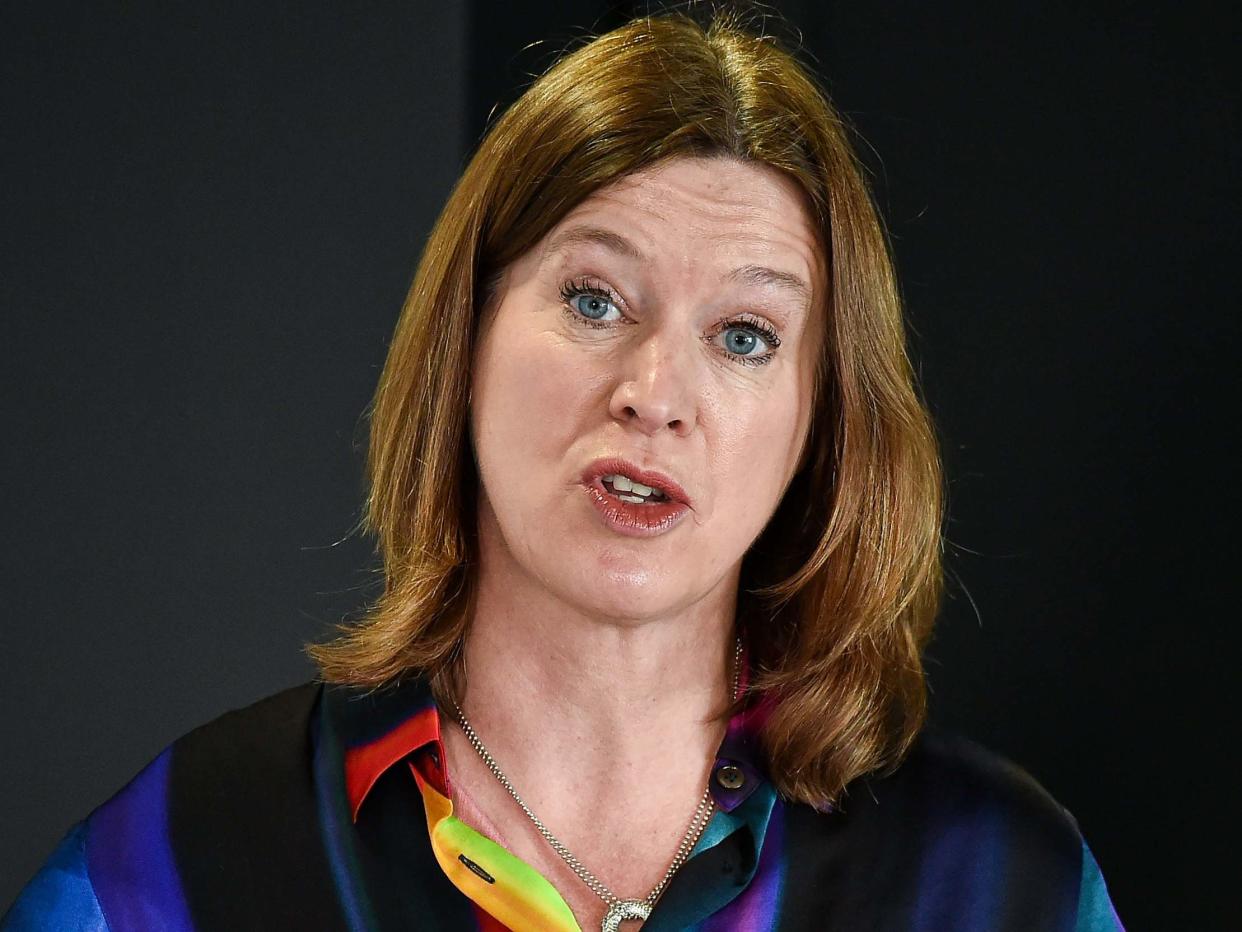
[
  {"x": 382, "y": 728},
  {"x": 366, "y": 763}
]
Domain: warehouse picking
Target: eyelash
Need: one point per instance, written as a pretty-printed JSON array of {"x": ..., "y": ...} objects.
[
  {"x": 572, "y": 289},
  {"x": 755, "y": 325}
]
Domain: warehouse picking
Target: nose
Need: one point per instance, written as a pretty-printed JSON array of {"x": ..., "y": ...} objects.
[{"x": 657, "y": 387}]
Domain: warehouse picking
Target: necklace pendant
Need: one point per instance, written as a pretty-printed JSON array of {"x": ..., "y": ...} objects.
[{"x": 622, "y": 910}]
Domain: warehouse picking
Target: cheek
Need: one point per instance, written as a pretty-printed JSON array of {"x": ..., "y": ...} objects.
[
  {"x": 527, "y": 394},
  {"x": 756, "y": 453}
]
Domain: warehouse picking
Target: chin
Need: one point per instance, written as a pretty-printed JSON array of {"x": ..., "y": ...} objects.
[{"x": 628, "y": 595}]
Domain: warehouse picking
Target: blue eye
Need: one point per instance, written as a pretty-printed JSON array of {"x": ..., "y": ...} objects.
[
  {"x": 742, "y": 341},
  {"x": 750, "y": 342},
  {"x": 591, "y": 306}
]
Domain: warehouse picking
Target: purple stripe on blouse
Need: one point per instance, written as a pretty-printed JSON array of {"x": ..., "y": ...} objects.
[
  {"x": 335, "y": 827},
  {"x": 130, "y": 860},
  {"x": 962, "y": 875},
  {"x": 757, "y": 908}
]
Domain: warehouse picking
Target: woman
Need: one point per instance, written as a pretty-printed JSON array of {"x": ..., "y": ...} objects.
[{"x": 660, "y": 517}]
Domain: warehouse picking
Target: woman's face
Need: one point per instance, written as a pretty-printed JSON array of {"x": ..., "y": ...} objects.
[{"x": 666, "y": 332}]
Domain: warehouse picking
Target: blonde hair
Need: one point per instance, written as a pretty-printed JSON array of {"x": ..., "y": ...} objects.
[{"x": 839, "y": 592}]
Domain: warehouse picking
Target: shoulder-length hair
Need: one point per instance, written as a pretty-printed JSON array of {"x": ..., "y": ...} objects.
[{"x": 838, "y": 594}]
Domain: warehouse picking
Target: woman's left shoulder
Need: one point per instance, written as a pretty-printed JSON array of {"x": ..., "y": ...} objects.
[
  {"x": 951, "y": 778},
  {"x": 967, "y": 826},
  {"x": 949, "y": 787}
]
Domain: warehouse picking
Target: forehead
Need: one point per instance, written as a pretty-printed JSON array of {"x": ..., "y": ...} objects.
[{"x": 689, "y": 211}]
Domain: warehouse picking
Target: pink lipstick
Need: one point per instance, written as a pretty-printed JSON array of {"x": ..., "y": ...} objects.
[{"x": 634, "y": 502}]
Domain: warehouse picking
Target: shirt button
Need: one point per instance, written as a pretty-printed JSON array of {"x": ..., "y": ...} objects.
[{"x": 730, "y": 777}]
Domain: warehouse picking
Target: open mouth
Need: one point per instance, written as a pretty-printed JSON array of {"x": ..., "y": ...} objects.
[
  {"x": 627, "y": 490},
  {"x": 630, "y": 507}
]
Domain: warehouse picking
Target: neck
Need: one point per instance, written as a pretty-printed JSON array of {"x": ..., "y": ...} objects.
[
  {"x": 548, "y": 682},
  {"x": 608, "y": 727}
]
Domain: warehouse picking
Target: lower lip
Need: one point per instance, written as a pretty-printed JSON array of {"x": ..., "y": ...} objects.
[{"x": 634, "y": 520}]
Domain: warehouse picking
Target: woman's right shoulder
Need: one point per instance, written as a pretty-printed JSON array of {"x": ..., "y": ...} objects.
[
  {"x": 60, "y": 895},
  {"x": 119, "y": 867}
]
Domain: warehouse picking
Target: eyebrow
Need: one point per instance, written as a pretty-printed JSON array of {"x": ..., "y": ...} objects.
[
  {"x": 594, "y": 236},
  {"x": 762, "y": 275},
  {"x": 614, "y": 242}
]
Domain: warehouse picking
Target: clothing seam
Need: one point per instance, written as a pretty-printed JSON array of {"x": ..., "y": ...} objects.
[{"x": 86, "y": 869}]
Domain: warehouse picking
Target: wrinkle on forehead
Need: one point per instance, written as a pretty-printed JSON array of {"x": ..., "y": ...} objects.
[
  {"x": 721, "y": 206},
  {"x": 651, "y": 191}
]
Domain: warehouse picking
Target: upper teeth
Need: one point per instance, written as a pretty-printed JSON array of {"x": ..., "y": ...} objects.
[{"x": 626, "y": 484}]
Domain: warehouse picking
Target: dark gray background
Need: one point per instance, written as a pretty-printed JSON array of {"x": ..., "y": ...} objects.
[{"x": 210, "y": 216}]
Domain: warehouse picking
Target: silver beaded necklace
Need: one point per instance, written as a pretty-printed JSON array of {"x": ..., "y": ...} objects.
[{"x": 618, "y": 909}]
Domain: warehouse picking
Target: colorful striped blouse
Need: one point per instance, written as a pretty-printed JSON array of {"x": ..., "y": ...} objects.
[{"x": 328, "y": 808}]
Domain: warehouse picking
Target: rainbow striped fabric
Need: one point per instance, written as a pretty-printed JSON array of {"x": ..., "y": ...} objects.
[{"x": 328, "y": 808}]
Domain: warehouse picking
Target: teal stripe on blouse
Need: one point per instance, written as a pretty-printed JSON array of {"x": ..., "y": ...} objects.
[{"x": 1095, "y": 909}]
